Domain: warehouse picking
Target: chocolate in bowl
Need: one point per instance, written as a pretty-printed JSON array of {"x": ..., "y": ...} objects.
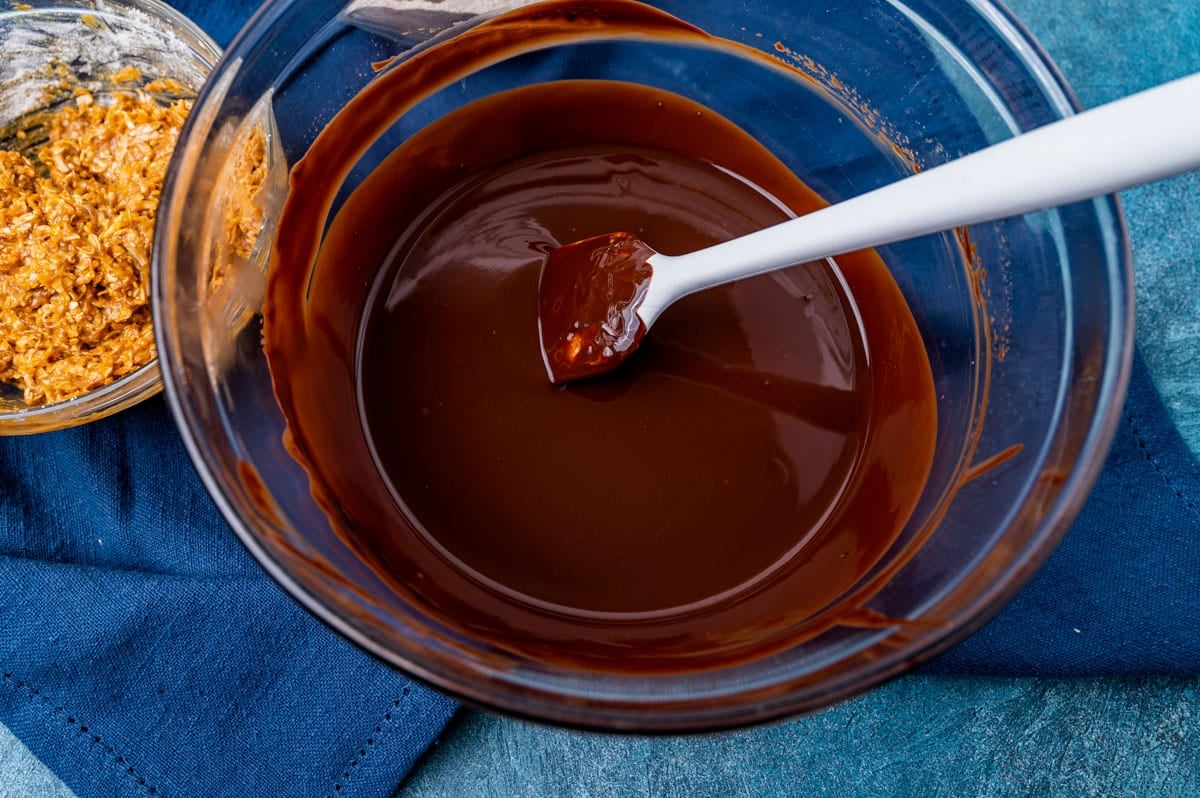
[
  {"x": 968, "y": 542},
  {"x": 603, "y": 529}
]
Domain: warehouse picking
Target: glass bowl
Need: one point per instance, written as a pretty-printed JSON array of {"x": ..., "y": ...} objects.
[
  {"x": 1027, "y": 322},
  {"x": 51, "y": 48}
]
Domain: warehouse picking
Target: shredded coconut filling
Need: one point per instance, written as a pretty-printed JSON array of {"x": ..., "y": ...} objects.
[{"x": 75, "y": 232}]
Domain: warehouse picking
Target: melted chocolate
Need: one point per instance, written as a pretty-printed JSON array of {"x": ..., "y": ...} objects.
[{"x": 708, "y": 503}]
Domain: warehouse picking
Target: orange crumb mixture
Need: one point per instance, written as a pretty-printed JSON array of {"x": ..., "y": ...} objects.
[{"x": 75, "y": 232}]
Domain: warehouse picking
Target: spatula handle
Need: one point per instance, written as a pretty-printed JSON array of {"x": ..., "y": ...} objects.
[{"x": 1139, "y": 139}]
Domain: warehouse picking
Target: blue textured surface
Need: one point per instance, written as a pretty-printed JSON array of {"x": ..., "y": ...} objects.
[
  {"x": 1108, "y": 49},
  {"x": 920, "y": 735},
  {"x": 923, "y": 736}
]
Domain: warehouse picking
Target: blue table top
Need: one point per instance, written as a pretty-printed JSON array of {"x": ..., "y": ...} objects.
[{"x": 919, "y": 735}]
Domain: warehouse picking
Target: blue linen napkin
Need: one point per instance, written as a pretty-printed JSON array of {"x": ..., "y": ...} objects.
[
  {"x": 1121, "y": 594},
  {"x": 143, "y": 652}
]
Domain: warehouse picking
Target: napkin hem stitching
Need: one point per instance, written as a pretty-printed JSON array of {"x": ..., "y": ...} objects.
[
  {"x": 365, "y": 749},
  {"x": 1148, "y": 453},
  {"x": 17, "y": 684}
]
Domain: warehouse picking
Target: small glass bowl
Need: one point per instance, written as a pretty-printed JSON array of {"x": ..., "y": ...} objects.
[
  {"x": 89, "y": 40},
  {"x": 1027, "y": 322}
]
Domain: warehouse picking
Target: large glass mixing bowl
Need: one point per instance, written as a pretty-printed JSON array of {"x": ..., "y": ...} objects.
[{"x": 1027, "y": 322}]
